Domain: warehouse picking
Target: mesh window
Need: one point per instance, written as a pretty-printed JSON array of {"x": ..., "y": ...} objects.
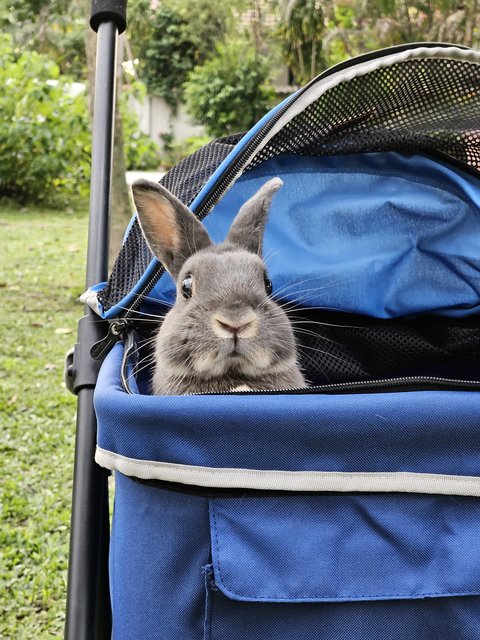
[
  {"x": 334, "y": 347},
  {"x": 430, "y": 105}
]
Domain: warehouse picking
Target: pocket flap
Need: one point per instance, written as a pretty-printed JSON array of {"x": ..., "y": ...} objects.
[{"x": 312, "y": 548}]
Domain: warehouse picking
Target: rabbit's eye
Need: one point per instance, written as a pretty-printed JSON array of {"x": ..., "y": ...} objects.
[
  {"x": 187, "y": 287},
  {"x": 268, "y": 285}
]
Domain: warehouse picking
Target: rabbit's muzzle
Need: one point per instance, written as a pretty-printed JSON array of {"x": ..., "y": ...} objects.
[{"x": 245, "y": 326}]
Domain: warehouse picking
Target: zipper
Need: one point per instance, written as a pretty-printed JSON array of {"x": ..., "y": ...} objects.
[
  {"x": 117, "y": 330},
  {"x": 406, "y": 383}
]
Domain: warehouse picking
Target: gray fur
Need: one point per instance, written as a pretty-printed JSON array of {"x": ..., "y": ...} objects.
[
  {"x": 192, "y": 235},
  {"x": 249, "y": 225},
  {"x": 190, "y": 356}
]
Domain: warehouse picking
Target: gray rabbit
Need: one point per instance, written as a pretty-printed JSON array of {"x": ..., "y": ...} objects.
[{"x": 224, "y": 331}]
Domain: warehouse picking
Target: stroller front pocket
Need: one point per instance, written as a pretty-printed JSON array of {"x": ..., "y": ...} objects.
[{"x": 344, "y": 567}]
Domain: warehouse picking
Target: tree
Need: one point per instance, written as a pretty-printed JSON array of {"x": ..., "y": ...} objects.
[
  {"x": 58, "y": 28},
  {"x": 302, "y": 27},
  {"x": 182, "y": 34},
  {"x": 54, "y": 28},
  {"x": 231, "y": 91},
  {"x": 314, "y": 34},
  {"x": 369, "y": 24}
]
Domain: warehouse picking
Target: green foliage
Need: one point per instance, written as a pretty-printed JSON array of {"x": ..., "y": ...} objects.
[
  {"x": 139, "y": 25},
  {"x": 231, "y": 91},
  {"x": 44, "y": 138},
  {"x": 41, "y": 276},
  {"x": 301, "y": 31},
  {"x": 168, "y": 56},
  {"x": 183, "y": 34},
  {"x": 52, "y": 27},
  {"x": 314, "y": 34},
  {"x": 141, "y": 152},
  {"x": 205, "y": 24}
]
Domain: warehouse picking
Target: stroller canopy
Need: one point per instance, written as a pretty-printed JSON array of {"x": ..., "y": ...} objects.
[{"x": 380, "y": 206}]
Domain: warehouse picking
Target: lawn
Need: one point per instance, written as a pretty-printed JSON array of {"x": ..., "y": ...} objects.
[{"x": 41, "y": 276}]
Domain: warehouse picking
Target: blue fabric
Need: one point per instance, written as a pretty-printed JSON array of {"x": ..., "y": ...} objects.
[
  {"x": 349, "y": 567},
  {"x": 431, "y": 619},
  {"x": 332, "y": 567},
  {"x": 381, "y": 234},
  {"x": 233, "y": 155},
  {"x": 159, "y": 543},
  {"x": 421, "y": 431},
  {"x": 376, "y": 567}
]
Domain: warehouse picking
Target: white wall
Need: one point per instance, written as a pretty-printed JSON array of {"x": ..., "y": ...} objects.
[{"x": 156, "y": 117}]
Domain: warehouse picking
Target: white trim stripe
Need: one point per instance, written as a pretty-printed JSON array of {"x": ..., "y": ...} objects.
[{"x": 275, "y": 480}]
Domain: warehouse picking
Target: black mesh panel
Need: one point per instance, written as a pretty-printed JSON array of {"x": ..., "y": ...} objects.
[
  {"x": 336, "y": 347},
  {"x": 423, "y": 105}
]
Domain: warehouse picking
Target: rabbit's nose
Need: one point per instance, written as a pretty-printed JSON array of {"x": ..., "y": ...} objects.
[{"x": 245, "y": 327}]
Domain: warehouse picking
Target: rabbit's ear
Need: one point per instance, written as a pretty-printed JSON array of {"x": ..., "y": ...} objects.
[
  {"x": 171, "y": 230},
  {"x": 248, "y": 227}
]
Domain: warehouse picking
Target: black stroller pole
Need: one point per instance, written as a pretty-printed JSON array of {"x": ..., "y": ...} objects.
[{"x": 88, "y": 615}]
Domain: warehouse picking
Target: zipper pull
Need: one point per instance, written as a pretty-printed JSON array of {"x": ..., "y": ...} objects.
[{"x": 116, "y": 331}]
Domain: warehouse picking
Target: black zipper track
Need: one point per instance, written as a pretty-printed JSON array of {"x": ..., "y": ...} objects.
[{"x": 388, "y": 385}]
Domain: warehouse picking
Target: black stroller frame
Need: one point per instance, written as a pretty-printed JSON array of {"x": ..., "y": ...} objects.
[{"x": 88, "y": 604}]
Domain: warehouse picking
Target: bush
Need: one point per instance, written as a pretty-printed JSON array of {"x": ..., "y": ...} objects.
[
  {"x": 169, "y": 56},
  {"x": 231, "y": 91},
  {"x": 44, "y": 137},
  {"x": 141, "y": 152}
]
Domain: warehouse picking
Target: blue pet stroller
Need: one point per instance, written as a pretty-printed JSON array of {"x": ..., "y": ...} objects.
[{"x": 348, "y": 510}]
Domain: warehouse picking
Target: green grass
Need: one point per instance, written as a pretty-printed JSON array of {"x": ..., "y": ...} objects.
[{"x": 42, "y": 257}]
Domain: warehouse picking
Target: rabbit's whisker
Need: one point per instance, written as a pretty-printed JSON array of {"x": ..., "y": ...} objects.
[
  {"x": 142, "y": 297},
  {"x": 323, "y": 324},
  {"x": 315, "y": 335},
  {"x": 143, "y": 344},
  {"x": 326, "y": 353},
  {"x": 294, "y": 285},
  {"x": 137, "y": 370},
  {"x": 157, "y": 316},
  {"x": 313, "y": 307},
  {"x": 149, "y": 356},
  {"x": 271, "y": 254}
]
